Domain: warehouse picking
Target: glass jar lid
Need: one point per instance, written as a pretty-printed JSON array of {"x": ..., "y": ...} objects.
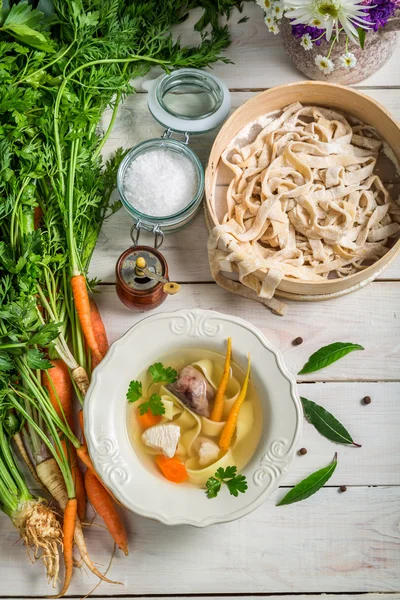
[{"x": 189, "y": 101}]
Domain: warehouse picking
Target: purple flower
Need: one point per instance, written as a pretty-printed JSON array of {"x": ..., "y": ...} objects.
[
  {"x": 300, "y": 30},
  {"x": 378, "y": 12}
]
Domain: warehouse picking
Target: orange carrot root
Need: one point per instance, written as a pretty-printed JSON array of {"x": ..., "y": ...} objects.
[
  {"x": 82, "y": 305},
  {"x": 57, "y": 382},
  {"x": 218, "y": 407},
  {"x": 99, "y": 331},
  {"x": 70, "y": 514},
  {"x": 80, "y": 416},
  {"x": 103, "y": 504},
  {"x": 230, "y": 425}
]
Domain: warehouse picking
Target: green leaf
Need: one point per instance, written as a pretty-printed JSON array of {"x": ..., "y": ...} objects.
[
  {"x": 227, "y": 473},
  {"x": 154, "y": 404},
  {"x": 236, "y": 485},
  {"x": 213, "y": 487},
  {"x": 46, "y": 334},
  {"x": 327, "y": 355},
  {"x": 29, "y": 36},
  {"x": 37, "y": 360},
  {"x": 361, "y": 36},
  {"x": 326, "y": 423},
  {"x": 23, "y": 14},
  {"x": 134, "y": 391},
  {"x": 6, "y": 363},
  {"x": 310, "y": 485},
  {"x": 160, "y": 374}
]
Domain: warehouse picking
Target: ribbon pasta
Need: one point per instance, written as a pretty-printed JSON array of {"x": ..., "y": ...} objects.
[{"x": 304, "y": 203}]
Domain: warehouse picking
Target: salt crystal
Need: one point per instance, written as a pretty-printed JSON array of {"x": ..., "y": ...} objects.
[{"x": 160, "y": 182}]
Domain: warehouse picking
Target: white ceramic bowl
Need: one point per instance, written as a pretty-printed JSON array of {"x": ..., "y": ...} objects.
[{"x": 105, "y": 409}]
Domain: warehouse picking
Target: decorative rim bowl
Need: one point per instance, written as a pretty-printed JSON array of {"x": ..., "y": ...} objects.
[{"x": 105, "y": 411}]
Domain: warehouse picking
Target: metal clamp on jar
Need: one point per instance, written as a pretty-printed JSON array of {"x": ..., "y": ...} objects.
[{"x": 186, "y": 102}]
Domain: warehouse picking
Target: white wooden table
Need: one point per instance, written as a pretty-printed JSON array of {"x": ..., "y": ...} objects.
[{"x": 334, "y": 543}]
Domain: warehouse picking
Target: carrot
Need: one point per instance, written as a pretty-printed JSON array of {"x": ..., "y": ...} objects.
[
  {"x": 80, "y": 417},
  {"x": 148, "y": 419},
  {"x": 80, "y": 494},
  {"x": 218, "y": 407},
  {"x": 82, "y": 305},
  {"x": 230, "y": 425},
  {"x": 172, "y": 468},
  {"x": 99, "y": 331},
  {"x": 70, "y": 514},
  {"x": 57, "y": 382},
  {"x": 37, "y": 217},
  {"x": 102, "y": 503}
]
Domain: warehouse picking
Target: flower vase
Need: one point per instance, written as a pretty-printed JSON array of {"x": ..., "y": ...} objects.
[{"x": 379, "y": 47}]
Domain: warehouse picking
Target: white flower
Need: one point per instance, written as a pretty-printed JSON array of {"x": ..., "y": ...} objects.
[
  {"x": 277, "y": 10},
  {"x": 324, "y": 63},
  {"x": 274, "y": 29},
  {"x": 348, "y": 60},
  {"x": 265, "y": 4},
  {"x": 269, "y": 20},
  {"x": 306, "y": 41},
  {"x": 334, "y": 14}
]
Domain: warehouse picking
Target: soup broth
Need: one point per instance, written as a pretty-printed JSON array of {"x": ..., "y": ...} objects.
[{"x": 198, "y": 436}]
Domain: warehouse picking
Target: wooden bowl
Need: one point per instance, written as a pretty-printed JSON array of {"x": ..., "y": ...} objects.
[{"x": 341, "y": 98}]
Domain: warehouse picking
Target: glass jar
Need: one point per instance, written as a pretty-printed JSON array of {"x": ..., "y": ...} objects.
[{"x": 186, "y": 102}]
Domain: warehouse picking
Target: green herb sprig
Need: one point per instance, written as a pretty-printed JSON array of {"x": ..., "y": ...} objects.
[
  {"x": 235, "y": 483},
  {"x": 153, "y": 402}
]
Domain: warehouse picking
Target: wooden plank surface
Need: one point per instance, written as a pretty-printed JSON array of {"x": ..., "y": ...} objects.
[
  {"x": 370, "y": 317},
  {"x": 333, "y": 542}
]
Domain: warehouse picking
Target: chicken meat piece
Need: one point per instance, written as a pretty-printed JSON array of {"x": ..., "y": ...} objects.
[
  {"x": 193, "y": 389},
  {"x": 163, "y": 437}
]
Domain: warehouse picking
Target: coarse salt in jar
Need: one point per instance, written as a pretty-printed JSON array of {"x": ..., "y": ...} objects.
[{"x": 161, "y": 181}]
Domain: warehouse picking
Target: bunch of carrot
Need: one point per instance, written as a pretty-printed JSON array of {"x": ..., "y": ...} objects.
[{"x": 58, "y": 383}]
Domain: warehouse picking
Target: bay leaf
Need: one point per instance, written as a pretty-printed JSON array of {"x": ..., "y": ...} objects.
[
  {"x": 326, "y": 424},
  {"x": 327, "y": 355},
  {"x": 310, "y": 485}
]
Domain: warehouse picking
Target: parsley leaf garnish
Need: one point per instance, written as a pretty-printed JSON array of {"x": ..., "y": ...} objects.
[
  {"x": 236, "y": 485},
  {"x": 154, "y": 404},
  {"x": 161, "y": 374},
  {"x": 134, "y": 391},
  {"x": 234, "y": 482},
  {"x": 213, "y": 486}
]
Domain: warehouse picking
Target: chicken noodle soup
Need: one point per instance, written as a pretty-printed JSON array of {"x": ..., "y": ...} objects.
[{"x": 185, "y": 432}]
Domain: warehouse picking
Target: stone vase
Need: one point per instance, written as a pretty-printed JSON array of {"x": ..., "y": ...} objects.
[{"x": 379, "y": 47}]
